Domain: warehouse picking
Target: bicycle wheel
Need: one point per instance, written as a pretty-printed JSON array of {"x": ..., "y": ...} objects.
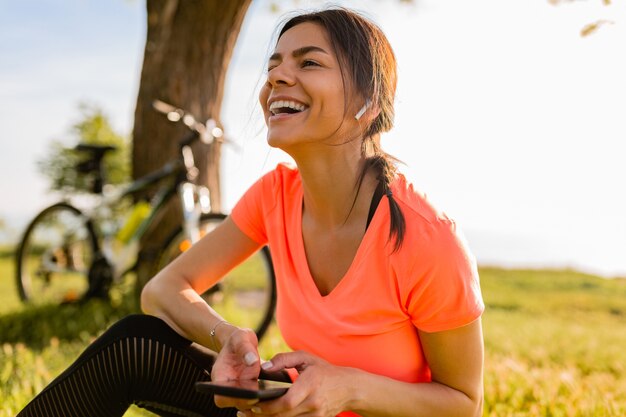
[
  {"x": 246, "y": 296},
  {"x": 54, "y": 256}
]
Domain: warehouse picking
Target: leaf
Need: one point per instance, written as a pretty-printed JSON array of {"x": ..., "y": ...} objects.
[{"x": 593, "y": 27}]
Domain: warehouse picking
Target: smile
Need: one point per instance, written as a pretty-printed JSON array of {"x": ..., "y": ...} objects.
[{"x": 286, "y": 107}]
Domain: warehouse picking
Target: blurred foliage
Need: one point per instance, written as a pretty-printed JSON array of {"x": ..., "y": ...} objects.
[
  {"x": 589, "y": 28},
  {"x": 59, "y": 164},
  {"x": 592, "y": 27},
  {"x": 8, "y": 235}
]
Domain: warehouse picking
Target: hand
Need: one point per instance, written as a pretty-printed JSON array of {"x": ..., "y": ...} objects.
[
  {"x": 238, "y": 359},
  {"x": 322, "y": 389}
]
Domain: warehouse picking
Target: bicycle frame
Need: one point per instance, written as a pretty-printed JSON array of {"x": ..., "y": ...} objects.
[
  {"x": 72, "y": 242},
  {"x": 194, "y": 198},
  {"x": 114, "y": 249},
  {"x": 194, "y": 201}
]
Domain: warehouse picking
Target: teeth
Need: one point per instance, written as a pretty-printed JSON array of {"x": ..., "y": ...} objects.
[{"x": 286, "y": 103}]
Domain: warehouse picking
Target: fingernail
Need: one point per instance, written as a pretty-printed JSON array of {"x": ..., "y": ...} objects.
[
  {"x": 250, "y": 358},
  {"x": 256, "y": 410},
  {"x": 240, "y": 414},
  {"x": 267, "y": 365}
]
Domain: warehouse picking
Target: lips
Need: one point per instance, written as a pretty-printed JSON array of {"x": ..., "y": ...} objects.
[{"x": 286, "y": 106}]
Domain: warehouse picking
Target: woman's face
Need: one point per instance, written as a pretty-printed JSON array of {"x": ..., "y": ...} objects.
[{"x": 303, "y": 98}]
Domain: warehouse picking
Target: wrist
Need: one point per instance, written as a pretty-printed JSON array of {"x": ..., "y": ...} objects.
[
  {"x": 220, "y": 334},
  {"x": 355, "y": 397}
]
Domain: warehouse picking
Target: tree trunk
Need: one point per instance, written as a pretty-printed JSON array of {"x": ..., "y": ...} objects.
[{"x": 189, "y": 45}]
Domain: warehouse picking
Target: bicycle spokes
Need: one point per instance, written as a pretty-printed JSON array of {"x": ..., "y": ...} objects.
[{"x": 54, "y": 257}]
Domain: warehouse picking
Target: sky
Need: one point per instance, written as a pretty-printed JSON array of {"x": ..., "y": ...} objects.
[{"x": 510, "y": 121}]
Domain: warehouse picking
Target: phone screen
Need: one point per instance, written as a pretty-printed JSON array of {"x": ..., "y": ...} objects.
[{"x": 260, "y": 389}]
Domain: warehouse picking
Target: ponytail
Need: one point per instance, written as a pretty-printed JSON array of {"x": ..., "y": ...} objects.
[{"x": 384, "y": 164}]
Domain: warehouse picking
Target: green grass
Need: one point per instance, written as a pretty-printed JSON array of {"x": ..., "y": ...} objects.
[
  {"x": 38, "y": 342},
  {"x": 554, "y": 343}
]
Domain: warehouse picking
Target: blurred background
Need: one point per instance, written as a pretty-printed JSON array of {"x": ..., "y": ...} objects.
[{"x": 508, "y": 118}]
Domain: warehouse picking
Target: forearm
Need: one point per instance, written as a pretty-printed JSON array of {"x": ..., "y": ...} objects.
[
  {"x": 179, "y": 305},
  {"x": 378, "y": 396}
]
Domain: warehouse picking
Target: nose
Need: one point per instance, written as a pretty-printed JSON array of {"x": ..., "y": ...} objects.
[{"x": 281, "y": 75}]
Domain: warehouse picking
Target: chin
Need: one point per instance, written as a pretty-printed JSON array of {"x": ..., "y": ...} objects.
[
  {"x": 287, "y": 145},
  {"x": 276, "y": 141},
  {"x": 279, "y": 139},
  {"x": 283, "y": 146}
]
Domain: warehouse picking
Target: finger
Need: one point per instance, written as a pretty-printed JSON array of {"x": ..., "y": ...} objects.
[
  {"x": 247, "y": 348},
  {"x": 255, "y": 411},
  {"x": 299, "y": 360},
  {"x": 293, "y": 403},
  {"x": 239, "y": 358},
  {"x": 280, "y": 375},
  {"x": 231, "y": 402}
]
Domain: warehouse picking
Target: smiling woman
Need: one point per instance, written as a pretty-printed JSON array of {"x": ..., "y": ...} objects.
[
  {"x": 378, "y": 294},
  {"x": 326, "y": 226},
  {"x": 310, "y": 79}
]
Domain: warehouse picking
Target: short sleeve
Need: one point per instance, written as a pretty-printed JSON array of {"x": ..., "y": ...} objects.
[
  {"x": 248, "y": 213},
  {"x": 442, "y": 289}
]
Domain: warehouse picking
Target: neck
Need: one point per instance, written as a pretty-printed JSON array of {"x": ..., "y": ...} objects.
[{"x": 333, "y": 196}]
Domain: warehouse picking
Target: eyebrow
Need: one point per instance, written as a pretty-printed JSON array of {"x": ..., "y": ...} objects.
[{"x": 277, "y": 56}]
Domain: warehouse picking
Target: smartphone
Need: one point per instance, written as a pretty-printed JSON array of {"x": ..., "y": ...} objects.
[{"x": 249, "y": 389}]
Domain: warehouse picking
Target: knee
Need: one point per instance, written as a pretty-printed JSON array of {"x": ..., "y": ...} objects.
[
  {"x": 144, "y": 326},
  {"x": 134, "y": 323}
]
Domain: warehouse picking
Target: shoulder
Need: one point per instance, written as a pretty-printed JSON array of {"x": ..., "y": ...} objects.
[
  {"x": 287, "y": 173},
  {"x": 284, "y": 178},
  {"x": 431, "y": 236},
  {"x": 418, "y": 210},
  {"x": 265, "y": 199},
  {"x": 284, "y": 174},
  {"x": 436, "y": 273}
]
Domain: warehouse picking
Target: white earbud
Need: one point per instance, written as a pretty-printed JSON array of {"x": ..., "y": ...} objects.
[{"x": 362, "y": 111}]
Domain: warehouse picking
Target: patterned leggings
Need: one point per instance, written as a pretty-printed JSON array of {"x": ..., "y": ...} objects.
[{"x": 139, "y": 360}]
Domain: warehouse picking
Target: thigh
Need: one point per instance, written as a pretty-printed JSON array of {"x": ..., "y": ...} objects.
[{"x": 139, "y": 360}]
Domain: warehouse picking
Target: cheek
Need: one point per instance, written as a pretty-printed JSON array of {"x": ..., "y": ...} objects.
[
  {"x": 337, "y": 91},
  {"x": 334, "y": 104},
  {"x": 263, "y": 96}
]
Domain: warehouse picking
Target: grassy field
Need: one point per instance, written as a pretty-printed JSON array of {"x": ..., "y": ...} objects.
[{"x": 555, "y": 343}]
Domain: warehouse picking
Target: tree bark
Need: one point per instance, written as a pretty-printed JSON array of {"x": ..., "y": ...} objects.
[{"x": 189, "y": 45}]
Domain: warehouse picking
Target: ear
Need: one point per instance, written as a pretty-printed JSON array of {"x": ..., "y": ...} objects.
[
  {"x": 361, "y": 112},
  {"x": 368, "y": 110}
]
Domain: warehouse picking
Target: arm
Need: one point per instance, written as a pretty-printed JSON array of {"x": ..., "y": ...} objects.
[
  {"x": 454, "y": 356},
  {"x": 172, "y": 295}
]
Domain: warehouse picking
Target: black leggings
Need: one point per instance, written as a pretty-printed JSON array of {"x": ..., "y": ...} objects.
[{"x": 139, "y": 360}]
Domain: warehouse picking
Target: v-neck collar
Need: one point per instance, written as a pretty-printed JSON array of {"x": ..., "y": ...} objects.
[{"x": 307, "y": 277}]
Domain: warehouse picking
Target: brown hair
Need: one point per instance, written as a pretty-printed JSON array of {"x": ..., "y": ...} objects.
[{"x": 365, "y": 54}]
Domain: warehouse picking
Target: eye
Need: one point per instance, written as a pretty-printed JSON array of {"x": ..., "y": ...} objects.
[{"x": 309, "y": 63}]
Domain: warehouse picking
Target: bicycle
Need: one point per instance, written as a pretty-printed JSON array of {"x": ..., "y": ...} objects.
[{"x": 70, "y": 254}]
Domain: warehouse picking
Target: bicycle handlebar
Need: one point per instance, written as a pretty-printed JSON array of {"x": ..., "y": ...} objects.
[{"x": 207, "y": 132}]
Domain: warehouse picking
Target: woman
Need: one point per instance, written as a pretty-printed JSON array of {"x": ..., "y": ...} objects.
[{"x": 378, "y": 295}]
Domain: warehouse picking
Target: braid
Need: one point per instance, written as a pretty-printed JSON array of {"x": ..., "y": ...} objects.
[{"x": 384, "y": 164}]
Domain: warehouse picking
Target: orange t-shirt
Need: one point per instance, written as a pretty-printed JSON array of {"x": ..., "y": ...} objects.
[{"x": 370, "y": 319}]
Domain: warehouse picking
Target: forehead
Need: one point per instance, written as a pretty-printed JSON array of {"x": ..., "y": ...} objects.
[{"x": 304, "y": 34}]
